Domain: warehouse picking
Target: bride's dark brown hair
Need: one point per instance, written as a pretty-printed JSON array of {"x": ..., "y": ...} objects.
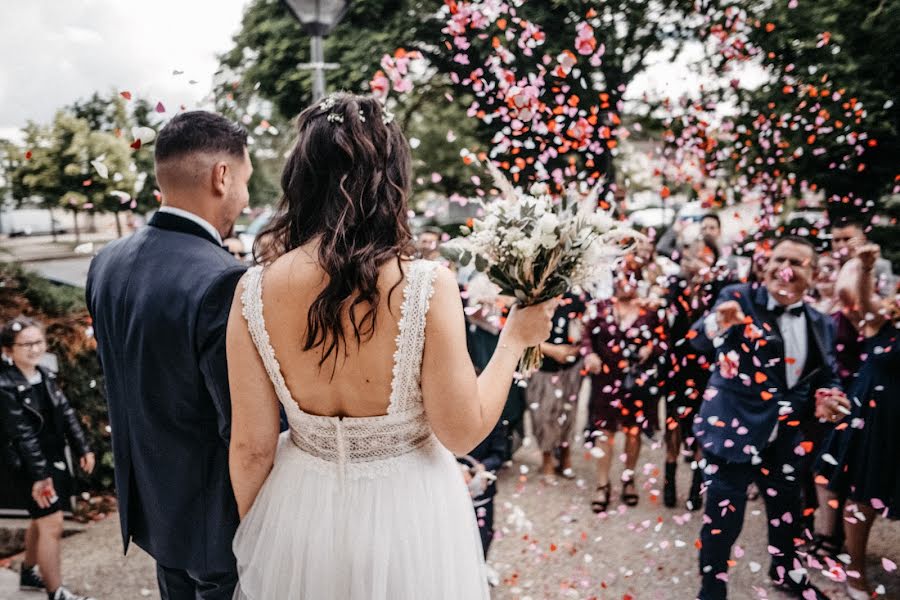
[{"x": 347, "y": 182}]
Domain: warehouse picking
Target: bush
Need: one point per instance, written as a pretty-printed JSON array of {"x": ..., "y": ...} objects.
[{"x": 62, "y": 310}]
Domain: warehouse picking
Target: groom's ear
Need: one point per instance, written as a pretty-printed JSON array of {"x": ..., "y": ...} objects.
[{"x": 221, "y": 172}]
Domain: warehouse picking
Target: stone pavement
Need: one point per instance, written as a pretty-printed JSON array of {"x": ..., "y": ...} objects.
[
  {"x": 551, "y": 546},
  {"x": 40, "y": 248}
]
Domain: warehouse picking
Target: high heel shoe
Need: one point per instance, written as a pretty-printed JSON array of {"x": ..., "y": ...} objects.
[
  {"x": 629, "y": 498},
  {"x": 669, "y": 496},
  {"x": 599, "y": 506}
]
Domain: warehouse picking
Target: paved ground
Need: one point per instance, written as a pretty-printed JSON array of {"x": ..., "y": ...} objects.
[
  {"x": 93, "y": 564},
  {"x": 551, "y": 546},
  {"x": 62, "y": 261}
]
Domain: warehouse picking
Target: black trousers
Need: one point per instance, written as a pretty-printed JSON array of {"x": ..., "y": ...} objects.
[
  {"x": 726, "y": 501},
  {"x": 178, "y": 584},
  {"x": 484, "y": 511}
]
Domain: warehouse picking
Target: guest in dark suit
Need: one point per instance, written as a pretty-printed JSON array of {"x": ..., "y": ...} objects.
[
  {"x": 160, "y": 301},
  {"x": 773, "y": 353},
  {"x": 689, "y": 296}
]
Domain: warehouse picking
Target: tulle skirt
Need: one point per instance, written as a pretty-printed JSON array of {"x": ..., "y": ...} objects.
[{"x": 394, "y": 529}]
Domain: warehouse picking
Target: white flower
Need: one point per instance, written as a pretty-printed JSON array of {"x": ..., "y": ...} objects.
[
  {"x": 547, "y": 223},
  {"x": 546, "y": 230},
  {"x": 525, "y": 247},
  {"x": 602, "y": 222},
  {"x": 540, "y": 189}
]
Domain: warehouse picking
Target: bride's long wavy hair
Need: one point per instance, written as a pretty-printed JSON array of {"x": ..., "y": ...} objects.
[{"x": 346, "y": 182}]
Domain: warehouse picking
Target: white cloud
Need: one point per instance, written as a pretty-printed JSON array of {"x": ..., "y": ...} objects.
[{"x": 56, "y": 52}]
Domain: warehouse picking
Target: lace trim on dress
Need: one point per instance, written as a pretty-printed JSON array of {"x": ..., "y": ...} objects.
[{"x": 346, "y": 441}]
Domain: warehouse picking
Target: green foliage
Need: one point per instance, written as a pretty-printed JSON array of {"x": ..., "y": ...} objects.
[
  {"x": 832, "y": 94},
  {"x": 60, "y": 172},
  {"x": 270, "y": 45},
  {"x": 841, "y": 45}
]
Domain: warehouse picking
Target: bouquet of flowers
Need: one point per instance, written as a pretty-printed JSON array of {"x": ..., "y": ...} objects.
[{"x": 537, "y": 246}]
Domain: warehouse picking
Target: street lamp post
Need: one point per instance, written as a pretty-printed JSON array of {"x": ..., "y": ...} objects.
[{"x": 318, "y": 18}]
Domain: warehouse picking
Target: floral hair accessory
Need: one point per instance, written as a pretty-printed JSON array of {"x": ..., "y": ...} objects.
[
  {"x": 335, "y": 117},
  {"x": 387, "y": 116},
  {"x": 328, "y": 103}
]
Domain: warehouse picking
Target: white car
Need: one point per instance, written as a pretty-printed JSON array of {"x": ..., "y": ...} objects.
[
  {"x": 29, "y": 221},
  {"x": 248, "y": 235}
]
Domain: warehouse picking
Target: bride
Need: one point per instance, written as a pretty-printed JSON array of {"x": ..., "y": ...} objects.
[{"x": 365, "y": 349}]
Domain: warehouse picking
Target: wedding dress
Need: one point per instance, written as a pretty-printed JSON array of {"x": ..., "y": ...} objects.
[{"x": 361, "y": 507}]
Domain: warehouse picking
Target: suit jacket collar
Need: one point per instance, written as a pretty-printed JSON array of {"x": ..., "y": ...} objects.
[{"x": 171, "y": 222}]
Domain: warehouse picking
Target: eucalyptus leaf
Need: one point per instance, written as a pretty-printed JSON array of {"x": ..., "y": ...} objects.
[{"x": 451, "y": 253}]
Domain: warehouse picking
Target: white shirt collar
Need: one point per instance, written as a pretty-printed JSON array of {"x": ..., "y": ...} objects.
[
  {"x": 772, "y": 303},
  {"x": 195, "y": 218}
]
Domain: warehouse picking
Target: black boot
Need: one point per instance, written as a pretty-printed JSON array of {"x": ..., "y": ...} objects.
[
  {"x": 695, "y": 500},
  {"x": 669, "y": 496}
]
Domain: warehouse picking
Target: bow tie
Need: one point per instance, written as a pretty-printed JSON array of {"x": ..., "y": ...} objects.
[{"x": 780, "y": 309}]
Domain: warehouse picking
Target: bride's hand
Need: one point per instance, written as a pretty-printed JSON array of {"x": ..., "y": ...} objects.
[{"x": 530, "y": 325}]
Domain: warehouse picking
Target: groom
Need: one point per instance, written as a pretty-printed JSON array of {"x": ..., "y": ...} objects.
[
  {"x": 774, "y": 355},
  {"x": 160, "y": 301}
]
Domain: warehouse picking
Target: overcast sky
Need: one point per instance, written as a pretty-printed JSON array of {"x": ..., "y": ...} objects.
[{"x": 53, "y": 52}]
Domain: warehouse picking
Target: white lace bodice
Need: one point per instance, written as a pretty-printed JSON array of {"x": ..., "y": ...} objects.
[{"x": 356, "y": 445}]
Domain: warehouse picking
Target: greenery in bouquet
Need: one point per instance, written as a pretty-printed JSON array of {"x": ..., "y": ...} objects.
[{"x": 537, "y": 246}]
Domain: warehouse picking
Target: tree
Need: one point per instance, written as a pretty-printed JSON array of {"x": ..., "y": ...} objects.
[
  {"x": 114, "y": 115},
  {"x": 823, "y": 123},
  {"x": 76, "y": 168},
  {"x": 270, "y": 44}
]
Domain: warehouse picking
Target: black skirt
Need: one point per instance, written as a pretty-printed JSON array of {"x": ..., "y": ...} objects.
[{"x": 861, "y": 456}]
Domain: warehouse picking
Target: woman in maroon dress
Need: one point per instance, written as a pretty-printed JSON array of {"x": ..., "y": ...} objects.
[{"x": 623, "y": 345}]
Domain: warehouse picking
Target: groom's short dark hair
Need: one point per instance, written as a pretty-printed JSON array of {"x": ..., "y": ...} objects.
[{"x": 199, "y": 131}]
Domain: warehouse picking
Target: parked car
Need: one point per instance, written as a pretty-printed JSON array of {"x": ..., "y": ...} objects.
[
  {"x": 248, "y": 235},
  {"x": 30, "y": 221}
]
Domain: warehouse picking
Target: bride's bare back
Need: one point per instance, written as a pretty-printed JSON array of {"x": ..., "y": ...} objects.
[{"x": 361, "y": 384}]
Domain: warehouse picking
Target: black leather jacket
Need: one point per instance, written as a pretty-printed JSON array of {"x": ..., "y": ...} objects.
[{"x": 21, "y": 424}]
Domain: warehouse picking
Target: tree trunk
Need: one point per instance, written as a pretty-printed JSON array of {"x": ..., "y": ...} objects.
[
  {"x": 52, "y": 224},
  {"x": 77, "y": 231},
  {"x": 118, "y": 225}
]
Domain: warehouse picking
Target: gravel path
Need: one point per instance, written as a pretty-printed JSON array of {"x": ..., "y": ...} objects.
[{"x": 552, "y": 546}]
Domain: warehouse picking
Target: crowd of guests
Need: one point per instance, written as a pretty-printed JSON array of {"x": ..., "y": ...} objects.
[
  {"x": 784, "y": 375},
  {"x": 773, "y": 375}
]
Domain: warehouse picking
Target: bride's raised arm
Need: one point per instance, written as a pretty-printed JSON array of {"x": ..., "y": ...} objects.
[
  {"x": 463, "y": 408},
  {"x": 254, "y": 411}
]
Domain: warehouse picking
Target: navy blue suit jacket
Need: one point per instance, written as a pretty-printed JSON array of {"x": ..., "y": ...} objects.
[
  {"x": 739, "y": 413},
  {"x": 160, "y": 301}
]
